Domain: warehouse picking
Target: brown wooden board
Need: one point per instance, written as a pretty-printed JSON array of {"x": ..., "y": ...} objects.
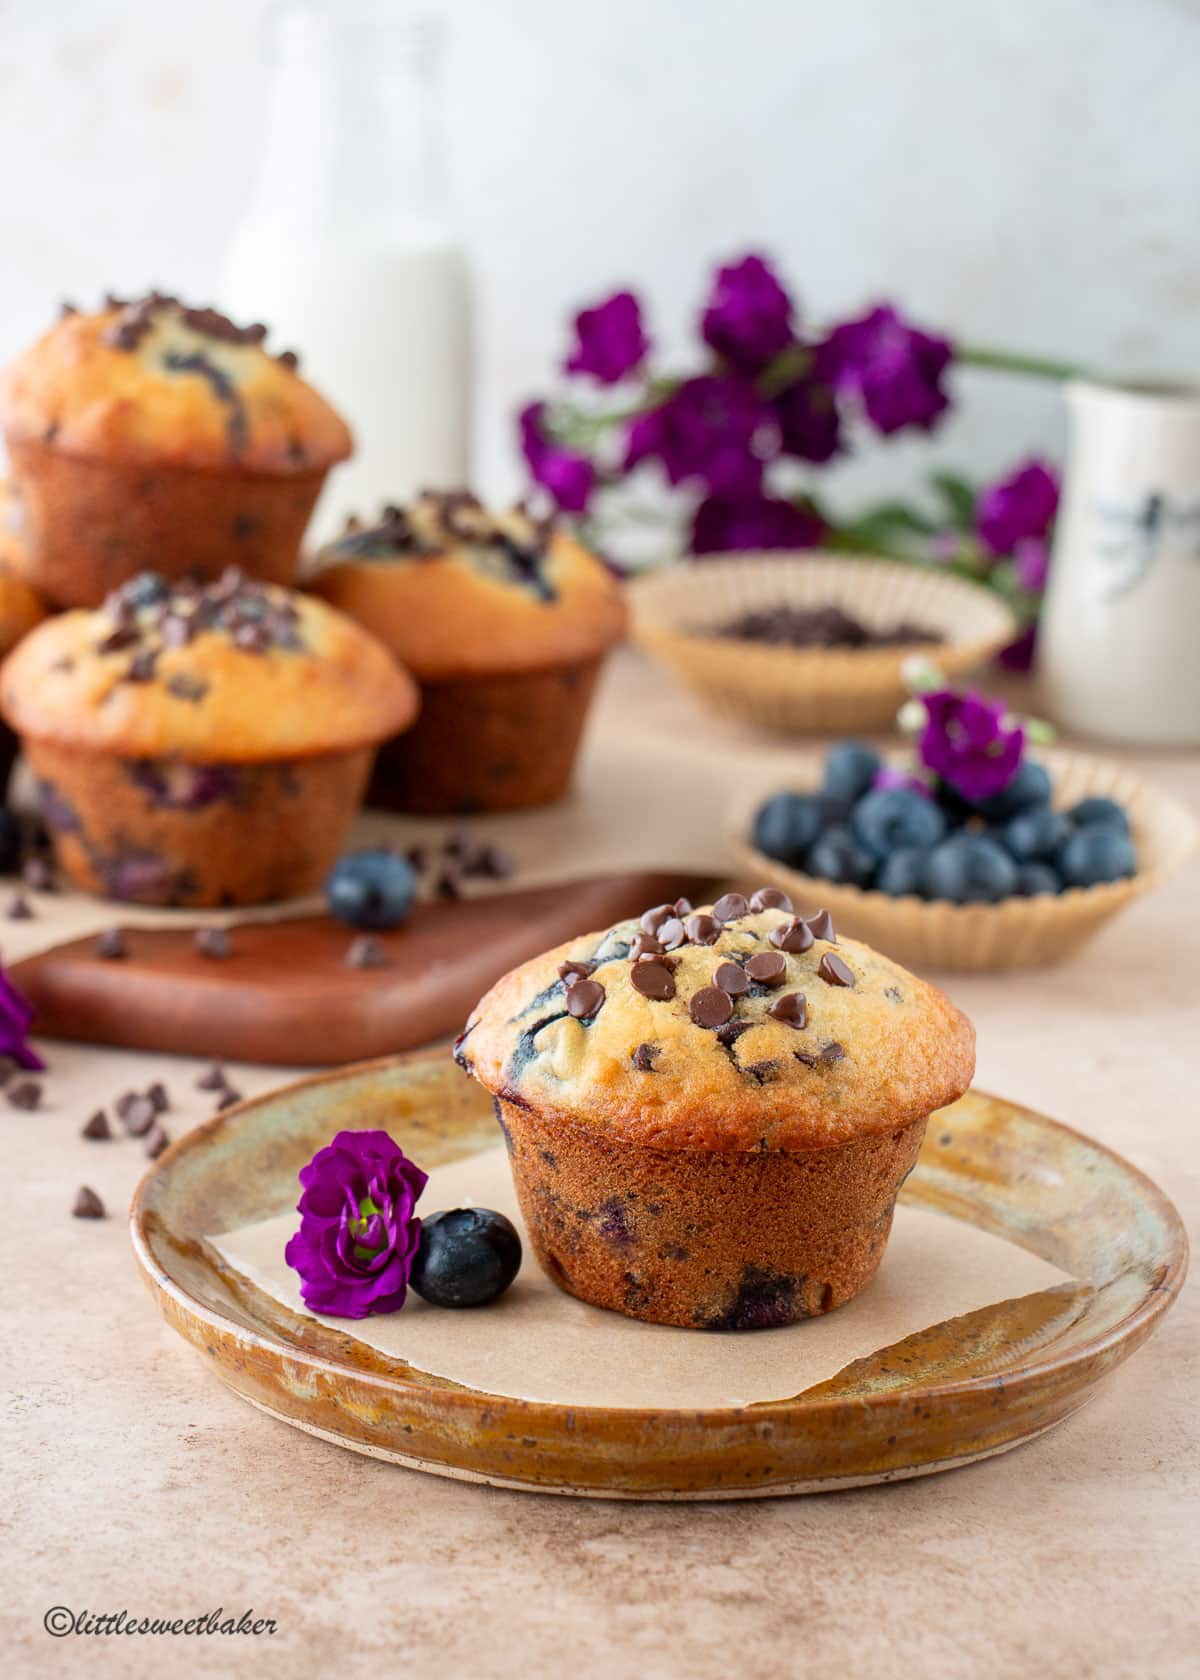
[{"x": 286, "y": 994}]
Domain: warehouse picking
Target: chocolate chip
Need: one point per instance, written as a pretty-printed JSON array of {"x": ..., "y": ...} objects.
[
  {"x": 111, "y": 945},
  {"x": 366, "y": 952},
  {"x": 834, "y": 971},
  {"x": 730, "y": 908},
  {"x": 157, "y": 1094},
  {"x": 26, "y": 1094},
  {"x": 213, "y": 942},
  {"x": 731, "y": 979},
  {"x": 790, "y": 1009},
  {"x": 767, "y": 968},
  {"x": 770, "y": 898},
  {"x": 446, "y": 888},
  {"x": 87, "y": 1204},
  {"x": 577, "y": 968},
  {"x": 762, "y": 1072},
  {"x": 645, "y": 945},
  {"x": 137, "y": 1115},
  {"x": 141, "y": 667},
  {"x": 38, "y": 875},
  {"x": 124, "y": 1102},
  {"x": 653, "y": 919},
  {"x": 20, "y": 909},
  {"x": 682, "y": 907},
  {"x": 585, "y": 999},
  {"x": 184, "y": 686},
  {"x": 702, "y": 929},
  {"x": 822, "y": 926},
  {"x": 288, "y": 359},
  {"x": 832, "y": 1053},
  {"x": 728, "y": 1035},
  {"x": 794, "y": 936},
  {"x": 824, "y": 1058},
  {"x": 895, "y": 994},
  {"x": 489, "y": 863},
  {"x": 653, "y": 980},
  {"x": 645, "y": 1056},
  {"x": 97, "y": 1128},
  {"x": 671, "y": 933},
  {"x": 156, "y": 1141},
  {"x": 710, "y": 1007},
  {"x": 227, "y": 1098},
  {"x": 212, "y": 1079}
]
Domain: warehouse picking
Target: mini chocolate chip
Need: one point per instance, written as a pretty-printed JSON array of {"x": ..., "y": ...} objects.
[
  {"x": 585, "y": 998},
  {"x": 141, "y": 667},
  {"x": 184, "y": 686},
  {"x": 731, "y": 979},
  {"x": 823, "y": 1058},
  {"x": 822, "y": 926},
  {"x": 212, "y": 1079},
  {"x": 729, "y": 1034},
  {"x": 227, "y": 1098},
  {"x": 20, "y": 909},
  {"x": 653, "y": 919},
  {"x": 97, "y": 1128},
  {"x": 645, "y": 1056},
  {"x": 213, "y": 942},
  {"x": 770, "y": 898},
  {"x": 366, "y": 952},
  {"x": 138, "y": 1115},
  {"x": 794, "y": 936},
  {"x": 653, "y": 980},
  {"x": 38, "y": 875},
  {"x": 446, "y": 887},
  {"x": 682, "y": 907},
  {"x": 834, "y": 971},
  {"x": 790, "y": 1009},
  {"x": 832, "y": 1053},
  {"x": 730, "y": 908},
  {"x": 87, "y": 1204},
  {"x": 489, "y": 863},
  {"x": 156, "y": 1141},
  {"x": 111, "y": 945},
  {"x": 762, "y": 1072},
  {"x": 288, "y": 359},
  {"x": 767, "y": 968},
  {"x": 157, "y": 1094},
  {"x": 575, "y": 969},
  {"x": 710, "y": 1007},
  {"x": 645, "y": 945},
  {"x": 895, "y": 994},
  {"x": 702, "y": 929},
  {"x": 26, "y": 1094},
  {"x": 124, "y": 1102},
  {"x": 671, "y": 933}
]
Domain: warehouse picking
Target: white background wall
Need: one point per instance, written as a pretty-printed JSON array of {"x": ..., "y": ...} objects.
[{"x": 1024, "y": 172}]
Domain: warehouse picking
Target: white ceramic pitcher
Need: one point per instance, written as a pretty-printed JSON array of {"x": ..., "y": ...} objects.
[{"x": 1119, "y": 648}]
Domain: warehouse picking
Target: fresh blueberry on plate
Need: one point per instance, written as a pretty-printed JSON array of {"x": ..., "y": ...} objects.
[
  {"x": 1034, "y": 836},
  {"x": 902, "y": 874},
  {"x": 1095, "y": 855},
  {"x": 787, "y": 825},
  {"x": 850, "y": 768},
  {"x": 466, "y": 1257},
  {"x": 970, "y": 869},
  {"x": 837, "y": 856},
  {"x": 371, "y": 890},
  {"x": 1034, "y": 880},
  {"x": 1030, "y": 787},
  {"x": 889, "y": 819},
  {"x": 1099, "y": 813}
]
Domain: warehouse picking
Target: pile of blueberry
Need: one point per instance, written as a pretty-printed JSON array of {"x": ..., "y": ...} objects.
[{"x": 900, "y": 841}]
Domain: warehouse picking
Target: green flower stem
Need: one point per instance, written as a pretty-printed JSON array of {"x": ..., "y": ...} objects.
[{"x": 1010, "y": 361}]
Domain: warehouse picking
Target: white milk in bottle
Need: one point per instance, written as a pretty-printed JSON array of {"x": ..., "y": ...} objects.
[{"x": 346, "y": 251}]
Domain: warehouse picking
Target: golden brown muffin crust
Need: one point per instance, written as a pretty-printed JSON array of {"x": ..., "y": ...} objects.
[
  {"x": 685, "y": 1064},
  {"x": 153, "y": 380},
  {"x": 20, "y": 609}
]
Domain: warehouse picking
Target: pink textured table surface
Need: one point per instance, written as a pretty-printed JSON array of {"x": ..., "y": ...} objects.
[{"x": 134, "y": 1480}]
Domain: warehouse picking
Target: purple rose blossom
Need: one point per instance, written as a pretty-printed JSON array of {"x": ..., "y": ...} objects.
[
  {"x": 569, "y": 478},
  {"x": 891, "y": 776},
  {"x": 748, "y": 317},
  {"x": 809, "y": 424},
  {"x": 609, "y": 341},
  {"x": 894, "y": 369},
  {"x": 1020, "y": 653},
  {"x": 1021, "y": 506},
  {"x": 358, "y": 1235},
  {"x": 966, "y": 743},
  {"x": 748, "y": 521},
  {"x": 15, "y": 1018},
  {"x": 709, "y": 429}
]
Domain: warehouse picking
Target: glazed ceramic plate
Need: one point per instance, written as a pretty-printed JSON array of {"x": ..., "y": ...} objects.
[{"x": 945, "y": 1397}]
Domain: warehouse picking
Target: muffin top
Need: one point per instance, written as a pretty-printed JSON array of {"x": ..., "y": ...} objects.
[
  {"x": 456, "y": 590},
  {"x": 154, "y": 380},
  {"x": 235, "y": 671},
  {"x": 736, "y": 1027}
]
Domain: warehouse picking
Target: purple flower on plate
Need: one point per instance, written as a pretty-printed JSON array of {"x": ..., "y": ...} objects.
[
  {"x": 748, "y": 317},
  {"x": 809, "y": 423},
  {"x": 709, "y": 429},
  {"x": 609, "y": 340},
  {"x": 1020, "y": 653},
  {"x": 894, "y": 369},
  {"x": 748, "y": 520},
  {"x": 968, "y": 741},
  {"x": 358, "y": 1233},
  {"x": 891, "y": 776},
  {"x": 568, "y": 477},
  {"x": 15, "y": 1018},
  {"x": 1018, "y": 507}
]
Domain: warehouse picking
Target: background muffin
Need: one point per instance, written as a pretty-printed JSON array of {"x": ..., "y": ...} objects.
[
  {"x": 202, "y": 745},
  {"x": 20, "y": 610},
  {"x": 504, "y": 622},
  {"x": 152, "y": 434},
  {"x": 709, "y": 1113}
]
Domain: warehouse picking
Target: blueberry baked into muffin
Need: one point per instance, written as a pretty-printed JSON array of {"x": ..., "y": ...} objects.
[
  {"x": 504, "y": 621},
  {"x": 202, "y": 744},
  {"x": 709, "y": 1113},
  {"x": 151, "y": 434}
]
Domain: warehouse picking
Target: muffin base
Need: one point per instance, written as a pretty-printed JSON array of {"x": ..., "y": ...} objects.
[
  {"x": 159, "y": 831},
  {"x": 495, "y": 743},
  {"x": 701, "y": 1239},
  {"x": 91, "y": 524}
]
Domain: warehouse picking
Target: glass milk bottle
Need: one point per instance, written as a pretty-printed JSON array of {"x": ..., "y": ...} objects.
[{"x": 346, "y": 252}]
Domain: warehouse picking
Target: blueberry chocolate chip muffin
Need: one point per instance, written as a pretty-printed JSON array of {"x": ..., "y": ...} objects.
[
  {"x": 709, "y": 1112},
  {"x": 20, "y": 610},
  {"x": 504, "y": 621},
  {"x": 202, "y": 744},
  {"x": 152, "y": 434}
]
